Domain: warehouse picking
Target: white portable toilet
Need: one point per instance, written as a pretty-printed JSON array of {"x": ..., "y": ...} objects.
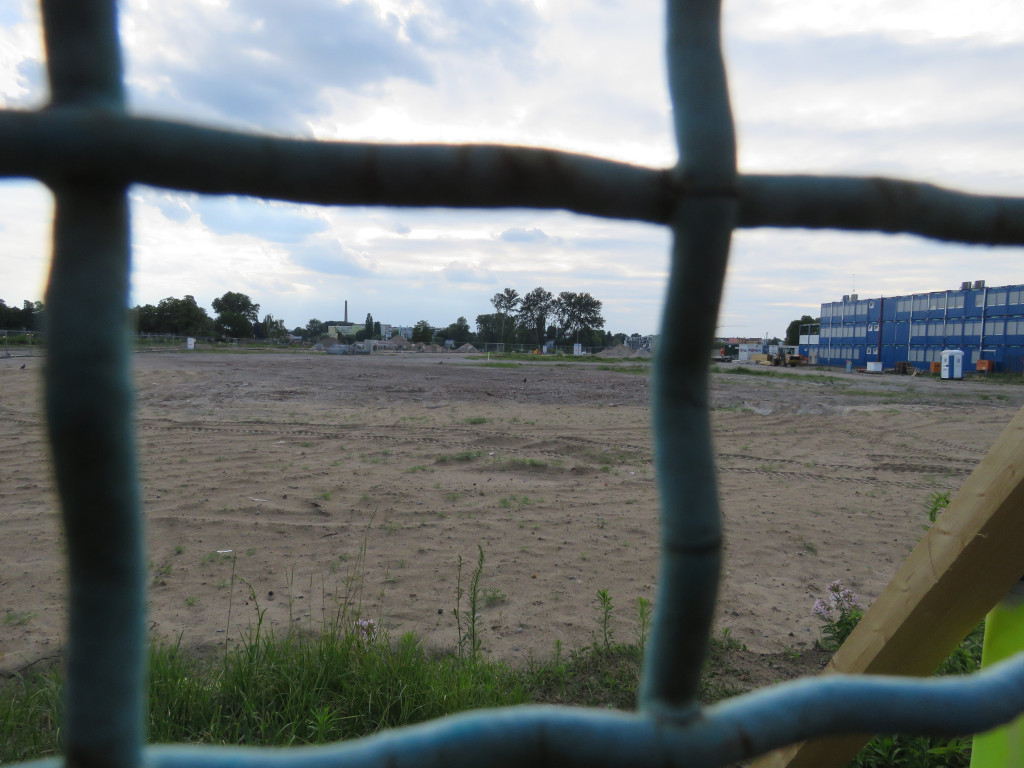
[{"x": 952, "y": 364}]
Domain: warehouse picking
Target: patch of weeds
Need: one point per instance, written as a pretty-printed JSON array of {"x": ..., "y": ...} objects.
[
  {"x": 642, "y": 626},
  {"x": 418, "y": 468},
  {"x": 461, "y": 456},
  {"x": 18, "y": 618},
  {"x": 517, "y": 463},
  {"x": 475, "y": 420},
  {"x": 468, "y": 622},
  {"x": 191, "y": 600},
  {"x": 937, "y": 502},
  {"x": 179, "y": 549},
  {"x": 604, "y": 619},
  {"x": 325, "y": 495},
  {"x": 494, "y": 596}
]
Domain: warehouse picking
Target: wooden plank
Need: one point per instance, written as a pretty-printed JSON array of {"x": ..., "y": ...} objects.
[{"x": 968, "y": 560}]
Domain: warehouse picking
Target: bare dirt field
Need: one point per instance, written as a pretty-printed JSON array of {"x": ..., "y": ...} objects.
[{"x": 283, "y": 476}]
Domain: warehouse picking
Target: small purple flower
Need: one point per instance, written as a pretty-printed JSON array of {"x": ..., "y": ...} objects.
[
  {"x": 849, "y": 599},
  {"x": 367, "y": 629},
  {"x": 821, "y": 609}
]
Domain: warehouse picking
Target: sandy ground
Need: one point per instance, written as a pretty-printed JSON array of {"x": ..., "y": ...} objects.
[{"x": 297, "y": 483}]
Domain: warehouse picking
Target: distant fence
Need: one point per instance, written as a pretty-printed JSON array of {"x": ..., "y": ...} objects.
[{"x": 21, "y": 343}]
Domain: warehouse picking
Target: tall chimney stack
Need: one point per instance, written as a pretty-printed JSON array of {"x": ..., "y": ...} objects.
[{"x": 346, "y": 310}]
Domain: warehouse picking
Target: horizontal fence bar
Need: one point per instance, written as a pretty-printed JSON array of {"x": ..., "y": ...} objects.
[
  {"x": 881, "y": 205},
  {"x": 107, "y": 147},
  {"x": 733, "y": 730}
]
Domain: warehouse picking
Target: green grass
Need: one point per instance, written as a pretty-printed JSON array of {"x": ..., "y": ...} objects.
[
  {"x": 296, "y": 689},
  {"x": 352, "y": 680},
  {"x": 17, "y": 618},
  {"x": 641, "y": 369},
  {"x": 461, "y": 456}
]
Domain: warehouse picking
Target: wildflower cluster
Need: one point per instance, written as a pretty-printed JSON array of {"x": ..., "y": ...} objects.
[
  {"x": 366, "y": 630},
  {"x": 839, "y": 613}
]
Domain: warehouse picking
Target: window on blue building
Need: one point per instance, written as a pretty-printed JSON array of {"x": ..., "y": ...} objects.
[{"x": 996, "y": 299}]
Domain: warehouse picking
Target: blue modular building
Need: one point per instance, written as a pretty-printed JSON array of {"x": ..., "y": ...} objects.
[{"x": 987, "y": 324}]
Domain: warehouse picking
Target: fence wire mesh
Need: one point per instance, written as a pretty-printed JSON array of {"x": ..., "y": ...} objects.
[{"x": 88, "y": 149}]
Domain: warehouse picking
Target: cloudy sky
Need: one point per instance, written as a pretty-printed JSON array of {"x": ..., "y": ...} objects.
[{"x": 922, "y": 89}]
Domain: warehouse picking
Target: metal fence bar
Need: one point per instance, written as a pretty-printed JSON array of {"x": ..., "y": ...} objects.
[
  {"x": 89, "y": 403},
  {"x": 118, "y": 149},
  {"x": 691, "y": 531},
  {"x": 88, "y": 151}
]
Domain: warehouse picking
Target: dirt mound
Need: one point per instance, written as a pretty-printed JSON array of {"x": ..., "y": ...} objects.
[{"x": 619, "y": 352}]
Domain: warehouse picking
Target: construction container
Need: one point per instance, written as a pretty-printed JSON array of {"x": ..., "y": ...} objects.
[{"x": 986, "y": 366}]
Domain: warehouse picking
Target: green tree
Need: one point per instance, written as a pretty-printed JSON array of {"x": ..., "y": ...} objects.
[
  {"x": 488, "y": 328},
  {"x": 182, "y": 317},
  {"x": 577, "y": 313},
  {"x": 422, "y": 332},
  {"x": 367, "y": 330},
  {"x": 29, "y": 317},
  {"x": 458, "y": 331},
  {"x": 793, "y": 329},
  {"x": 314, "y": 329},
  {"x": 236, "y": 315},
  {"x": 7, "y": 316},
  {"x": 505, "y": 303},
  {"x": 534, "y": 309},
  {"x": 270, "y": 328}
]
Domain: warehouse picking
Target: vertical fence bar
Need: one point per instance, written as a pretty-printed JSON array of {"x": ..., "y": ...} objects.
[
  {"x": 702, "y": 228},
  {"x": 89, "y": 402}
]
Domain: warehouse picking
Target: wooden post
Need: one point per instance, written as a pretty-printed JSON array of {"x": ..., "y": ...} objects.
[{"x": 967, "y": 562}]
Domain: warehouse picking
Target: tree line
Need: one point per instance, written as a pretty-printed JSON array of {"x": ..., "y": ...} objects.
[
  {"x": 29, "y": 317},
  {"x": 529, "y": 319},
  {"x": 237, "y": 317}
]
